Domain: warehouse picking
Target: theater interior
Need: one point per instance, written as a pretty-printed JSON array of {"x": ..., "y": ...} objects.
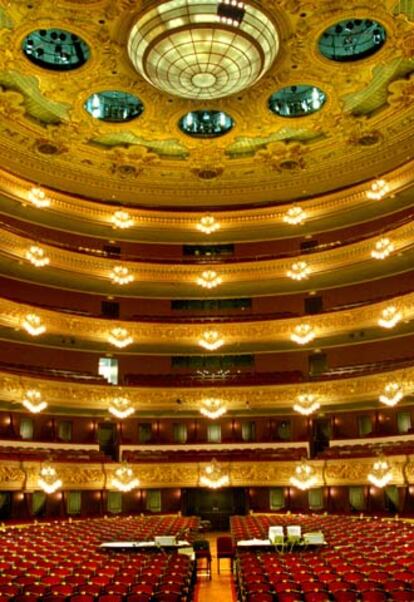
[{"x": 206, "y": 300}]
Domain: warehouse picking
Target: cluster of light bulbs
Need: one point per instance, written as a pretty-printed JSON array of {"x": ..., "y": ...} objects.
[
  {"x": 390, "y": 316},
  {"x": 37, "y": 256},
  {"x": 209, "y": 279},
  {"x": 304, "y": 477},
  {"x": 211, "y": 340},
  {"x": 303, "y": 334},
  {"x": 120, "y": 407},
  {"x": 212, "y": 408},
  {"x": 383, "y": 248},
  {"x": 298, "y": 271},
  {"x": 120, "y": 274},
  {"x": 295, "y": 216},
  {"x": 379, "y": 189},
  {"x": 48, "y": 479},
  {"x": 381, "y": 473},
  {"x": 124, "y": 479},
  {"x": 33, "y": 324},
  {"x": 32, "y": 401},
  {"x": 38, "y": 198},
  {"x": 392, "y": 394},
  {"x": 213, "y": 476},
  {"x": 120, "y": 337},
  {"x": 122, "y": 219},
  {"x": 306, "y": 404},
  {"x": 208, "y": 224}
]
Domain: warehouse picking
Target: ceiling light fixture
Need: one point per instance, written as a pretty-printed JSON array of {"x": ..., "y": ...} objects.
[
  {"x": 121, "y": 275},
  {"x": 302, "y": 334},
  {"x": 33, "y": 401},
  {"x": 393, "y": 393},
  {"x": 306, "y": 404},
  {"x": 122, "y": 219},
  {"x": 213, "y": 476},
  {"x": 209, "y": 279},
  {"x": 298, "y": 271},
  {"x": 304, "y": 477},
  {"x": 124, "y": 479},
  {"x": 48, "y": 479},
  {"x": 383, "y": 248},
  {"x": 227, "y": 46},
  {"x": 390, "y": 316},
  {"x": 37, "y": 256},
  {"x": 381, "y": 473},
  {"x": 208, "y": 224},
  {"x": 120, "y": 337},
  {"x": 212, "y": 408},
  {"x": 120, "y": 407},
  {"x": 211, "y": 340},
  {"x": 32, "y": 323},
  {"x": 295, "y": 216},
  {"x": 38, "y": 198},
  {"x": 379, "y": 189}
]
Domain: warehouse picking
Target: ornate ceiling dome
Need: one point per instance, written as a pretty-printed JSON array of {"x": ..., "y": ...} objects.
[{"x": 203, "y": 49}]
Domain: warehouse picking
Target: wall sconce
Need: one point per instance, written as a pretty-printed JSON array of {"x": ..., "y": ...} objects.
[
  {"x": 381, "y": 473},
  {"x": 393, "y": 393},
  {"x": 32, "y": 323},
  {"x": 379, "y": 189},
  {"x": 212, "y": 408},
  {"x": 124, "y": 479},
  {"x": 37, "y": 256},
  {"x": 120, "y": 337},
  {"x": 383, "y": 248},
  {"x": 122, "y": 219},
  {"x": 209, "y": 279},
  {"x": 33, "y": 401},
  {"x": 121, "y": 275},
  {"x": 211, "y": 340},
  {"x": 302, "y": 334},
  {"x": 120, "y": 407},
  {"x": 298, "y": 271},
  {"x": 295, "y": 216},
  {"x": 390, "y": 316},
  {"x": 38, "y": 198},
  {"x": 48, "y": 479},
  {"x": 304, "y": 477},
  {"x": 306, "y": 404},
  {"x": 208, "y": 224}
]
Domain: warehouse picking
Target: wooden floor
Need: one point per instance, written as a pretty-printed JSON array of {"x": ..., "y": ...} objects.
[{"x": 219, "y": 589}]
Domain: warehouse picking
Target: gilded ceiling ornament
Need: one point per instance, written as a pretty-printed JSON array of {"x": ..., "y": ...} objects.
[
  {"x": 401, "y": 93},
  {"x": 280, "y": 156},
  {"x": 131, "y": 163}
]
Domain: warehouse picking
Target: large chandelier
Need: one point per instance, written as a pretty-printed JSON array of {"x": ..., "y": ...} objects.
[
  {"x": 212, "y": 408},
  {"x": 33, "y": 401},
  {"x": 37, "y": 256},
  {"x": 211, "y": 340},
  {"x": 380, "y": 474},
  {"x": 304, "y": 477},
  {"x": 32, "y": 323},
  {"x": 120, "y": 337},
  {"x": 48, "y": 479},
  {"x": 120, "y": 407},
  {"x": 306, "y": 404},
  {"x": 213, "y": 476},
  {"x": 124, "y": 479},
  {"x": 393, "y": 393},
  {"x": 203, "y": 49},
  {"x": 208, "y": 224},
  {"x": 390, "y": 316}
]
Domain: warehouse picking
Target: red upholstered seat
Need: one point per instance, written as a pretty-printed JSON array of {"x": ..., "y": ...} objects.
[{"x": 225, "y": 549}]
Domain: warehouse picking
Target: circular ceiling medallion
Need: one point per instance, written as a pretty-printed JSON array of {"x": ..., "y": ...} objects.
[{"x": 203, "y": 49}]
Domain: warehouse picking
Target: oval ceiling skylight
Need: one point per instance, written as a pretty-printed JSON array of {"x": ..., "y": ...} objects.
[
  {"x": 206, "y": 124},
  {"x": 55, "y": 49},
  {"x": 352, "y": 40},
  {"x": 297, "y": 101},
  {"x": 114, "y": 106}
]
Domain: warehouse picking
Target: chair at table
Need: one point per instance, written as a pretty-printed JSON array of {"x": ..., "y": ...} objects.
[
  {"x": 225, "y": 549},
  {"x": 203, "y": 553}
]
